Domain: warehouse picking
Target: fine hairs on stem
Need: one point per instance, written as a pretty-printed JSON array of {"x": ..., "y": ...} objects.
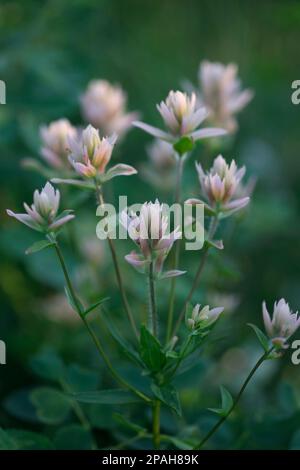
[{"x": 177, "y": 196}]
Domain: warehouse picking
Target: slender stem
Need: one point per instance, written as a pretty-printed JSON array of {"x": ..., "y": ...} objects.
[
  {"x": 152, "y": 302},
  {"x": 177, "y": 196},
  {"x": 156, "y": 424},
  {"x": 95, "y": 339},
  {"x": 212, "y": 230},
  {"x": 236, "y": 400},
  {"x": 100, "y": 201}
]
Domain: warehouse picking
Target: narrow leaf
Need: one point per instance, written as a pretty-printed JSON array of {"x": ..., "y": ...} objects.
[
  {"x": 154, "y": 131},
  {"x": 38, "y": 246},
  {"x": 151, "y": 351},
  {"x": 95, "y": 305},
  {"x": 171, "y": 273},
  {"x": 168, "y": 395},
  {"x": 72, "y": 182}
]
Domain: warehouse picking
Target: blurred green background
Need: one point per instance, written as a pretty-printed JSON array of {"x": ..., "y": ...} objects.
[{"x": 50, "y": 50}]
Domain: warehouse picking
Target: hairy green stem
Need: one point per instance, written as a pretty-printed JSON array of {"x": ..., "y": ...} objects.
[
  {"x": 95, "y": 339},
  {"x": 126, "y": 305},
  {"x": 236, "y": 400},
  {"x": 177, "y": 196}
]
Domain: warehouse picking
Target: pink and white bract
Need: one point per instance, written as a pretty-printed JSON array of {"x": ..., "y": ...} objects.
[
  {"x": 42, "y": 214},
  {"x": 220, "y": 92},
  {"x": 283, "y": 324}
]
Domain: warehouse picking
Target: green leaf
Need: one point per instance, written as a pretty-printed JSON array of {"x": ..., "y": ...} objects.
[
  {"x": 73, "y": 437},
  {"x": 18, "y": 404},
  {"x": 218, "y": 244},
  {"x": 227, "y": 402},
  {"x": 125, "y": 346},
  {"x": 28, "y": 440},
  {"x": 38, "y": 246},
  {"x": 6, "y": 441},
  {"x": 262, "y": 338},
  {"x": 107, "y": 397},
  {"x": 184, "y": 145},
  {"x": 151, "y": 351},
  {"x": 48, "y": 366},
  {"x": 168, "y": 395},
  {"x": 52, "y": 405},
  {"x": 95, "y": 305},
  {"x": 71, "y": 300}
]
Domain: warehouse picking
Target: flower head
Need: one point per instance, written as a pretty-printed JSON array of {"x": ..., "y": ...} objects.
[
  {"x": 221, "y": 184},
  {"x": 55, "y": 141},
  {"x": 42, "y": 214},
  {"x": 149, "y": 230},
  {"x": 89, "y": 156},
  {"x": 104, "y": 105},
  {"x": 182, "y": 115},
  {"x": 221, "y": 93},
  {"x": 202, "y": 316},
  {"x": 283, "y": 324}
]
